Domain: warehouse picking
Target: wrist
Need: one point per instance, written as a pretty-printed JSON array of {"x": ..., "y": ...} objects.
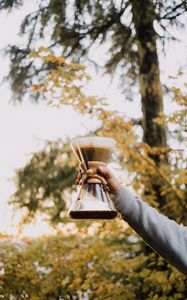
[{"x": 114, "y": 190}]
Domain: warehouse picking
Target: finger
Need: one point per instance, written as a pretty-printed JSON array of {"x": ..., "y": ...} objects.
[
  {"x": 79, "y": 177},
  {"x": 102, "y": 170}
]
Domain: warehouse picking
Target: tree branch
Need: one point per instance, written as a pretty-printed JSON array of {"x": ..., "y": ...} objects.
[
  {"x": 181, "y": 5},
  {"x": 163, "y": 177}
]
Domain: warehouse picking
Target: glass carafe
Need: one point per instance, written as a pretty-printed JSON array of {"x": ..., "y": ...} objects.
[{"x": 92, "y": 200}]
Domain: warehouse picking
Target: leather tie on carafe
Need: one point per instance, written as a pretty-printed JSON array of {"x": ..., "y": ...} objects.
[{"x": 90, "y": 175}]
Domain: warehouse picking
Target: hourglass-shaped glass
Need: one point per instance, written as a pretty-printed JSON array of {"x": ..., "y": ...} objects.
[{"x": 92, "y": 200}]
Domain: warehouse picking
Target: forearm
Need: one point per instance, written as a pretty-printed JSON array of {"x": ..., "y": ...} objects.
[{"x": 165, "y": 236}]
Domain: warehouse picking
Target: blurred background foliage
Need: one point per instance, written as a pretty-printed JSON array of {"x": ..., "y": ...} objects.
[
  {"x": 97, "y": 260},
  {"x": 102, "y": 261}
]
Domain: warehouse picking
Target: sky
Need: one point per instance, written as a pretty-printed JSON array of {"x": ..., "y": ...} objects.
[{"x": 25, "y": 127}]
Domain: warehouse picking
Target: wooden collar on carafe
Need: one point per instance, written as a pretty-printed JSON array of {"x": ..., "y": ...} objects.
[{"x": 91, "y": 173}]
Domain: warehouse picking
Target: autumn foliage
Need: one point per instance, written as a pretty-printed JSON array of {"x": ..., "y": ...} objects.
[{"x": 96, "y": 260}]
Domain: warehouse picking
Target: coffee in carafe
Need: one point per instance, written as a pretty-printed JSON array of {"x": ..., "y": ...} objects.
[
  {"x": 93, "y": 153},
  {"x": 92, "y": 200}
]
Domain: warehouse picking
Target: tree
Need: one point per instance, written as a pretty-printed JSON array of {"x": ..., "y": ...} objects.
[
  {"x": 47, "y": 169},
  {"x": 128, "y": 27},
  {"x": 146, "y": 275},
  {"x": 103, "y": 265},
  {"x": 143, "y": 161},
  {"x": 45, "y": 172},
  {"x": 43, "y": 183}
]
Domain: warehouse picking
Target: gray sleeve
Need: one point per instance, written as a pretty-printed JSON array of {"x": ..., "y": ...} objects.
[{"x": 163, "y": 235}]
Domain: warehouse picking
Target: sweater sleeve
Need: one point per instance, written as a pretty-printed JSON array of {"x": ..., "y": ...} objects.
[{"x": 163, "y": 235}]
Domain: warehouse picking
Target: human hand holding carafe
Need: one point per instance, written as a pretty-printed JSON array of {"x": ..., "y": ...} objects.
[{"x": 113, "y": 184}]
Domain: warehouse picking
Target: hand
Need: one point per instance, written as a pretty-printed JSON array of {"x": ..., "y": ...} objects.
[{"x": 112, "y": 182}]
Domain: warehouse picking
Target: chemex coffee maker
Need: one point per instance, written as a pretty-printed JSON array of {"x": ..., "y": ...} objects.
[{"x": 92, "y": 200}]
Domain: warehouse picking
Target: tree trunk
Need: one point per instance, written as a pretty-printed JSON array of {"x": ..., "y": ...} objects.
[{"x": 150, "y": 85}]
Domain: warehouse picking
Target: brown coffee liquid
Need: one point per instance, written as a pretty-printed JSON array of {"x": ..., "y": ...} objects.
[
  {"x": 91, "y": 153},
  {"x": 93, "y": 214}
]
